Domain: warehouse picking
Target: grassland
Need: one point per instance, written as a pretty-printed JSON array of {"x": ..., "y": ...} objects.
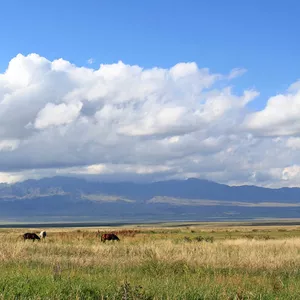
[{"x": 189, "y": 262}]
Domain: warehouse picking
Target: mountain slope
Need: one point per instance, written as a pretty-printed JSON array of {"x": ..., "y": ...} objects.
[
  {"x": 190, "y": 189},
  {"x": 191, "y": 198}
]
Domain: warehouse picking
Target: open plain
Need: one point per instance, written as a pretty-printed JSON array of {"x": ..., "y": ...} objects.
[{"x": 190, "y": 261}]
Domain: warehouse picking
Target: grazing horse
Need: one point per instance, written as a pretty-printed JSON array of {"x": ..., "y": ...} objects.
[
  {"x": 109, "y": 237},
  {"x": 30, "y": 236},
  {"x": 43, "y": 234}
]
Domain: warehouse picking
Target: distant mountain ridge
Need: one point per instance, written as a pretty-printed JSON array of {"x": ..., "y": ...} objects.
[
  {"x": 191, "y": 188},
  {"x": 69, "y": 196}
]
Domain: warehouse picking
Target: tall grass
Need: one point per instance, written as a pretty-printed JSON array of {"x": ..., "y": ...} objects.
[{"x": 74, "y": 264}]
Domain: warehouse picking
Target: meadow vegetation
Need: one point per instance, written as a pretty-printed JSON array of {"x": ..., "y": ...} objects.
[{"x": 190, "y": 262}]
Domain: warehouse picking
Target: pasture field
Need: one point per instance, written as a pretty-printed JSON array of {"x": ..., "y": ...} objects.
[{"x": 153, "y": 262}]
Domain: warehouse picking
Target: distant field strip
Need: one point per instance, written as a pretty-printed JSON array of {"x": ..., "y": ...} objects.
[
  {"x": 202, "y": 202},
  {"x": 105, "y": 198}
]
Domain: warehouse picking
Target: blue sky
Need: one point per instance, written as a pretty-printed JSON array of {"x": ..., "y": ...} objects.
[
  {"x": 261, "y": 36},
  {"x": 119, "y": 121}
]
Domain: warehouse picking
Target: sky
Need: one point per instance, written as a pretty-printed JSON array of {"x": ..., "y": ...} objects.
[{"x": 151, "y": 90}]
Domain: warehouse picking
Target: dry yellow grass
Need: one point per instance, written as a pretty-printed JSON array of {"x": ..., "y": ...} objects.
[
  {"x": 85, "y": 249},
  {"x": 160, "y": 259}
]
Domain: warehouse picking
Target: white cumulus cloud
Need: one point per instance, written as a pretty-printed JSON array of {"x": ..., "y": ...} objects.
[
  {"x": 55, "y": 115},
  {"x": 280, "y": 117},
  {"x": 123, "y": 121}
]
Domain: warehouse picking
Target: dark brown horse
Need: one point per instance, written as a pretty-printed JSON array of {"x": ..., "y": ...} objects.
[
  {"x": 109, "y": 237},
  {"x": 30, "y": 236}
]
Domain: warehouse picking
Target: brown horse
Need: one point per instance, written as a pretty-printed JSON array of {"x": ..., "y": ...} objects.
[
  {"x": 30, "y": 236},
  {"x": 109, "y": 237}
]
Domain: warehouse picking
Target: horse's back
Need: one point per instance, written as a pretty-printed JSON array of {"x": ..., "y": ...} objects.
[{"x": 109, "y": 237}]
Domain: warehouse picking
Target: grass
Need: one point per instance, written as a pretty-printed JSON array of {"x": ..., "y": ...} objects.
[{"x": 191, "y": 262}]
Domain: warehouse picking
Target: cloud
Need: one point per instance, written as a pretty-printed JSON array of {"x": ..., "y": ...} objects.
[
  {"x": 280, "y": 117},
  {"x": 125, "y": 122},
  {"x": 55, "y": 115},
  {"x": 10, "y": 178},
  {"x": 8, "y": 145},
  {"x": 90, "y": 61},
  {"x": 237, "y": 72}
]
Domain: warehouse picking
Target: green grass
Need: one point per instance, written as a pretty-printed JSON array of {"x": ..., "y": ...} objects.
[{"x": 150, "y": 280}]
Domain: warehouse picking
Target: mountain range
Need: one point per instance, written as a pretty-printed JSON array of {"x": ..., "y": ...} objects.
[{"x": 75, "y": 199}]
